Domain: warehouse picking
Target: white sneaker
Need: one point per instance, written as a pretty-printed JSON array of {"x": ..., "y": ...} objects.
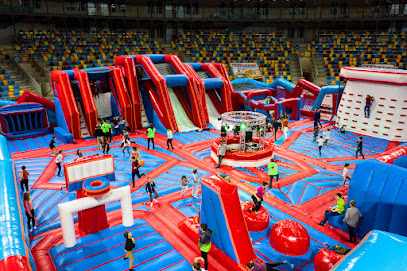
[
  {"x": 155, "y": 200},
  {"x": 35, "y": 227},
  {"x": 151, "y": 204}
]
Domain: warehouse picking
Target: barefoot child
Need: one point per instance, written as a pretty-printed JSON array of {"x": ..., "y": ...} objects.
[
  {"x": 345, "y": 173},
  {"x": 184, "y": 185},
  {"x": 258, "y": 198},
  {"x": 24, "y": 178},
  {"x": 52, "y": 145},
  {"x": 195, "y": 184},
  {"x": 29, "y": 210}
]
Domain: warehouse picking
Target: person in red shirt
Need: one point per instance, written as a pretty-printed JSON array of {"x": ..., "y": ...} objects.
[
  {"x": 369, "y": 101},
  {"x": 258, "y": 197},
  {"x": 24, "y": 178},
  {"x": 29, "y": 210}
]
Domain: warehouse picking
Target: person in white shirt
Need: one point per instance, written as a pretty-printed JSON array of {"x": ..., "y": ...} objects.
[
  {"x": 222, "y": 149},
  {"x": 345, "y": 173},
  {"x": 320, "y": 144},
  {"x": 126, "y": 145},
  {"x": 327, "y": 135},
  {"x": 169, "y": 139},
  {"x": 58, "y": 161},
  {"x": 195, "y": 184}
]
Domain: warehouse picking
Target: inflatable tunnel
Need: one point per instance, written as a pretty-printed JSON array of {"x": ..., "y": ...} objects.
[
  {"x": 15, "y": 248},
  {"x": 379, "y": 250},
  {"x": 214, "y": 89},
  {"x": 169, "y": 91},
  {"x": 23, "y": 120},
  {"x": 221, "y": 211},
  {"x": 379, "y": 190}
]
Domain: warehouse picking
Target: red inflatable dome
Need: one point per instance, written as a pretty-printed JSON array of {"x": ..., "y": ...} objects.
[
  {"x": 325, "y": 259},
  {"x": 289, "y": 238},
  {"x": 255, "y": 222}
]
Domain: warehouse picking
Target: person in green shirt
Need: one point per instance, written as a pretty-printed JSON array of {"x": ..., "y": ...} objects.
[
  {"x": 338, "y": 210},
  {"x": 205, "y": 243},
  {"x": 273, "y": 172},
  {"x": 150, "y": 135},
  {"x": 107, "y": 130}
]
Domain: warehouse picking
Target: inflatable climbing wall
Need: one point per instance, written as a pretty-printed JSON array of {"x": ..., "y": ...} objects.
[{"x": 388, "y": 112}]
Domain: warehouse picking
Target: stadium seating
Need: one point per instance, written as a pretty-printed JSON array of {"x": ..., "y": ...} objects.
[
  {"x": 271, "y": 51},
  {"x": 77, "y": 49},
  {"x": 357, "y": 49},
  {"x": 8, "y": 89}
]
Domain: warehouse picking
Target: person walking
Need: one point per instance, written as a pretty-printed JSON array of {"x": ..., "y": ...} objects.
[
  {"x": 24, "y": 178},
  {"x": 150, "y": 136},
  {"x": 359, "y": 148},
  {"x": 205, "y": 243},
  {"x": 222, "y": 149},
  {"x": 184, "y": 185},
  {"x": 275, "y": 128},
  {"x": 116, "y": 125},
  {"x": 135, "y": 170},
  {"x": 150, "y": 188},
  {"x": 52, "y": 145},
  {"x": 369, "y": 101},
  {"x": 195, "y": 184},
  {"x": 128, "y": 248},
  {"x": 106, "y": 128},
  {"x": 29, "y": 211},
  {"x": 345, "y": 173},
  {"x": 316, "y": 133},
  {"x": 338, "y": 210},
  {"x": 327, "y": 135},
  {"x": 99, "y": 136},
  {"x": 320, "y": 142},
  {"x": 58, "y": 161},
  {"x": 258, "y": 198},
  {"x": 169, "y": 139},
  {"x": 125, "y": 144},
  {"x": 317, "y": 117},
  {"x": 286, "y": 126},
  {"x": 273, "y": 172},
  {"x": 352, "y": 217},
  {"x": 256, "y": 266},
  {"x": 105, "y": 146}
]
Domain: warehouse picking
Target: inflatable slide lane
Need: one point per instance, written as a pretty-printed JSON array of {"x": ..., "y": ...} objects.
[
  {"x": 15, "y": 249},
  {"x": 168, "y": 92},
  {"x": 65, "y": 104},
  {"x": 214, "y": 89},
  {"x": 221, "y": 211},
  {"x": 92, "y": 93}
]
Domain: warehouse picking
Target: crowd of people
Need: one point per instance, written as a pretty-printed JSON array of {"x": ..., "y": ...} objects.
[{"x": 104, "y": 132}]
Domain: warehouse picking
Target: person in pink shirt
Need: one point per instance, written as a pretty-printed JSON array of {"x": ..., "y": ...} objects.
[
  {"x": 256, "y": 266},
  {"x": 258, "y": 198},
  {"x": 29, "y": 210}
]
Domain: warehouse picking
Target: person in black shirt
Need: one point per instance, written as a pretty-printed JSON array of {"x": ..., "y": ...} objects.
[
  {"x": 275, "y": 128},
  {"x": 135, "y": 170},
  {"x": 99, "y": 135},
  {"x": 130, "y": 244},
  {"x": 52, "y": 145},
  {"x": 359, "y": 148},
  {"x": 317, "y": 118}
]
